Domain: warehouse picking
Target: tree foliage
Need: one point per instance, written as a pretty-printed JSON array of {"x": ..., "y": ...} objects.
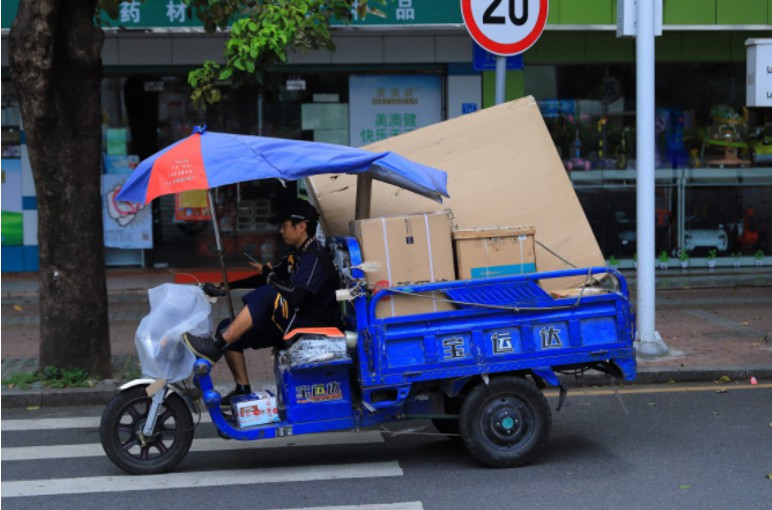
[{"x": 55, "y": 59}]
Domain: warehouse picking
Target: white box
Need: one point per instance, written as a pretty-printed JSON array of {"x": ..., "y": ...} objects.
[
  {"x": 759, "y": 72},
  {"x": 255, "y": 409}
]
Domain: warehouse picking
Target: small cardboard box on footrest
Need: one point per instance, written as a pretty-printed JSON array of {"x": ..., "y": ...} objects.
[
  {"x": 255, "y": 409},
  {"x": 493, "y": 252}
]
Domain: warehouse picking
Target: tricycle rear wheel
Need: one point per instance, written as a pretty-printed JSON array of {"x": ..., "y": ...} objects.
[
  {"x": 505, "y": 423},
  {"x": 121, "y": 432}
]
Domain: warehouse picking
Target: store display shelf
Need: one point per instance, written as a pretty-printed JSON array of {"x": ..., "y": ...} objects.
[{"x": 719, "y": 176}]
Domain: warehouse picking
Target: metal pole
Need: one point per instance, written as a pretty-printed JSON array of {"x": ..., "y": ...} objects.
[
  {"x": 649, "y": 341},
  {"x": 501, "y": 78},
  {"x": 221, "y": 252},
  {"x": 364, "y": 195}
]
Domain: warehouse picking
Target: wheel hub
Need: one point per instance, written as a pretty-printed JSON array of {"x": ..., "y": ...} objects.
[
  {"x": 138, "y": 430},
  {"x": 505, "y": 422}
]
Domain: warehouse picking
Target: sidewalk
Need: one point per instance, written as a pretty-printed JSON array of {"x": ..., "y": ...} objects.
[{"x": 715, "y": 324}]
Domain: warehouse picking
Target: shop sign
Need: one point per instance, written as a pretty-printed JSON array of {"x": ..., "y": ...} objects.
[
  {"x": 296, "y": 84},
  {"x": 127, "y": 225},
  {"x": 483, "y": 60},
  {"x": 409, "y": 12},
  {"x": 154, "y": 86},
  {"x": 382, "y": 106},
  {"x": 505, "y": 27},
  {"x": 173, "y": 14}
]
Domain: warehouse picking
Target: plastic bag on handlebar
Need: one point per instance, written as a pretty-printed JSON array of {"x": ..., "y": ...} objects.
[{"x": 174, "y": 310}]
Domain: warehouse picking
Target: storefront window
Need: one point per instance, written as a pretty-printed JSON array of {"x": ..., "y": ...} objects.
[{"x": 713, "y": 156}]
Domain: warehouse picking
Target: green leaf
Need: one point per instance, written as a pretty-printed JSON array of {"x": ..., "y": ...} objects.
[
  {"x": 684, "y": 486},
  {"x": 226, "y": 73}
]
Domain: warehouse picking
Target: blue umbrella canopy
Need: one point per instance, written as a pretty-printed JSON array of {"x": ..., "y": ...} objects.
[{"x": 207, "y": 159}]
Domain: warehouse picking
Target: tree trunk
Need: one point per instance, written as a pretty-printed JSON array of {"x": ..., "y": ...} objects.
[{"x": 56, "y": 64}]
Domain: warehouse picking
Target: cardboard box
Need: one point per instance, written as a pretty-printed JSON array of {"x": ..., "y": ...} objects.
[
  {"x": 502, "y": 168},
  {"x": 494, "y": 252},
  {"x": 255, "y": 409},
  {"x": 410, "y": 250}
]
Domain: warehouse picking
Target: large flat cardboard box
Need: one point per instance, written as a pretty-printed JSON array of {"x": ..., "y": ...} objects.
[
  {"x": 493, "y": 252},
  {"x": 410, "y": 250},
  {"x": 502, "y": 168}
]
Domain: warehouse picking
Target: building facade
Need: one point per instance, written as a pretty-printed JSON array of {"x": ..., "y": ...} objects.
[{"x": 714, "y": 153}]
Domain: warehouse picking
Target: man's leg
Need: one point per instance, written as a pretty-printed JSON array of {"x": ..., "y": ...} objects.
[
  {"x": 237, "y": 363},
  {"x": 238, "y": 327}
]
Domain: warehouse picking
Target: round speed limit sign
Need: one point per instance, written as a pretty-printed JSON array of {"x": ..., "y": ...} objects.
[{"x": 505, "y": 27}]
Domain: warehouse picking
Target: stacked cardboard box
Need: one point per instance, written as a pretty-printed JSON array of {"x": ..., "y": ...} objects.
[
  {"x": 494, "y": 252},
  {"x": 410, "y": 250}
]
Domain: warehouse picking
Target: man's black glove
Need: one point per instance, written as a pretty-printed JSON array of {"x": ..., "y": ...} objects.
[{"x": 212, "y": 290}]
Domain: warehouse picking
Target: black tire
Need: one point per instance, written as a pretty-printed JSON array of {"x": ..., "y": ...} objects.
[
  {"x": 505, "y": 423},
  {"x": 124, "y": 417}
]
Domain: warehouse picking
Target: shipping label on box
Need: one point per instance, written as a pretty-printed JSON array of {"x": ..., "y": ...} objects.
[
  {"x": 493, "y": 252},
  {"x": 255, "y": 409},
  {"x": 411, "y": 250}
]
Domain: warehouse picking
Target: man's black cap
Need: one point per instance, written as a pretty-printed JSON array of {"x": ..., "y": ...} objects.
[{"x": 296, "y": 209}]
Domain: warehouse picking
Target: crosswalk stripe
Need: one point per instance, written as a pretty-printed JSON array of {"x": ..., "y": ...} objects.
[
  {"x": 102, "y": 484},
  {"x": 83, "y": 422},
  {"x": 407, "y": 505},
  {"x": 51, "y": 424},
  {"x": 199, "y": 445}
]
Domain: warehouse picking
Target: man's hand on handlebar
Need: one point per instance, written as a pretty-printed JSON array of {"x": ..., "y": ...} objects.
[
  {"x": 213, "y": 290},
  {"x": 259, "y": 267}
]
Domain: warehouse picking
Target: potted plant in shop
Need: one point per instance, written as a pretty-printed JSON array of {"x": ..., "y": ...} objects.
[
  {"x": 759, "y": 256},
  {"x": 736, "y": 256},
  {"x": 664, "y": 260},
  {"x": 683, "y": 257},
  {"x": 712, "y": 258},
  {"x": 613, "y": 262}
]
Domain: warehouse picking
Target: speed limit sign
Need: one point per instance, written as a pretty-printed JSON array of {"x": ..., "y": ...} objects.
[{"x": 505, "y": 27}]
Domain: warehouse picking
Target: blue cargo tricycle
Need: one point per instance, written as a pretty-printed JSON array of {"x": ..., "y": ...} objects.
[{"x": 476, "y": 371}]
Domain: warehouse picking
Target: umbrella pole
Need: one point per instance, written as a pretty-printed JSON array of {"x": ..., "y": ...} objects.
[
  {"x": 364, "y": 195},
  {"x": 221, "y": 252}
]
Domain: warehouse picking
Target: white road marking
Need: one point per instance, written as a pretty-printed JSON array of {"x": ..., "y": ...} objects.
[
  {"x": 199, "y": 445},
  {"x": 407, "y": 505},
  {"x": 102, "y": 484}
]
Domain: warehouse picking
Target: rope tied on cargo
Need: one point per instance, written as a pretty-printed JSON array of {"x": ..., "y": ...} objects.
[{"x": 512, "y": 308}]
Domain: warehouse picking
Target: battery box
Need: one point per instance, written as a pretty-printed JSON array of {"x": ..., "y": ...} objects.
[{"x": 316, "y": 391}]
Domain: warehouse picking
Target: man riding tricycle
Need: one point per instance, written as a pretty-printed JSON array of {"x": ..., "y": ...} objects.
[{"x": 475, "y": 366}]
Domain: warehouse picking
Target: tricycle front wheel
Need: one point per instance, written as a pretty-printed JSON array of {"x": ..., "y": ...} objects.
[
  {"x": 124, "y": 443},
  {"x": 505, "y": 423}
]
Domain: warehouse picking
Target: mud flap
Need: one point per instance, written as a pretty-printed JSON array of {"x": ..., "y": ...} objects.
[{"x": 548, "y": 375}]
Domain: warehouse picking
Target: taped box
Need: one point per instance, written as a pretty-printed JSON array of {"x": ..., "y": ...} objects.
[
  {"x": 256, "y": 408},
  {"x": 493, "y": 252},
  {"x": 409, "y": 250}
]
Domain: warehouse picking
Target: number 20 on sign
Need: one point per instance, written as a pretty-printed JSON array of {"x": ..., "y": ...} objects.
[{"x": 505, "y": 27}]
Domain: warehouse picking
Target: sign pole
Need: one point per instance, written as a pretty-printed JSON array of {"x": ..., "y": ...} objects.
[
  {"x": 504, "y": 29},
  {"x": 501, "y": 78}
]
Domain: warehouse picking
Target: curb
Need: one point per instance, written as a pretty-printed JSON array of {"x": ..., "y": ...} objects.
[{"x": 103, "y": 392}]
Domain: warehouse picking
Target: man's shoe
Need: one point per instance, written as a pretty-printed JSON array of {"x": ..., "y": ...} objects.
[
  {"x": 227, "y": 399},
  {"x": 203, "y": 347}
]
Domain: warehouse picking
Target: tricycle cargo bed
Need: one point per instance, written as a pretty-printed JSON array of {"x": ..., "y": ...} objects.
[{"x": 499, "y": 325}]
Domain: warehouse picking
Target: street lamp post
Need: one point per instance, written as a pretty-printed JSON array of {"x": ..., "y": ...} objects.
[{"x": 650, "y": 343}]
